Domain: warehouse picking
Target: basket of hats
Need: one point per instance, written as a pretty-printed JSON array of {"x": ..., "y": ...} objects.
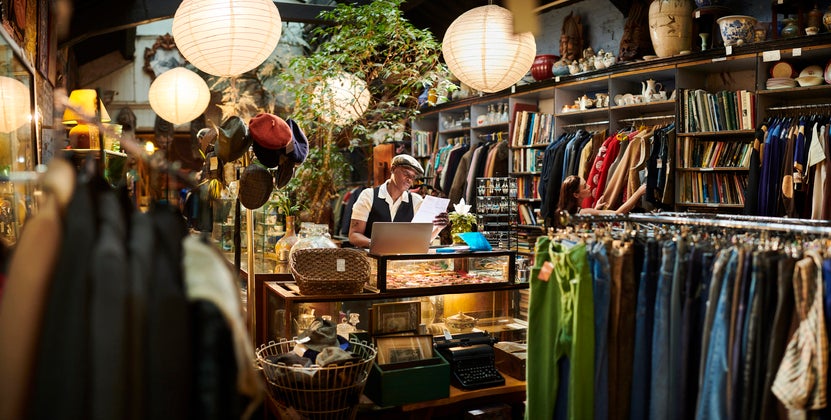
[
  {"x": 329, "y": 271},
  {"x": 318, "y": 375}
]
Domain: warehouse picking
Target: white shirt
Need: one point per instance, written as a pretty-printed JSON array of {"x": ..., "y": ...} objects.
[{"x": 363, "y": 205}]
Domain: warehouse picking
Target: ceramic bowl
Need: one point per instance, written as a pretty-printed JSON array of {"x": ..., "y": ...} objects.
[
  {"x": 809, "y": 80},
  {"x": 737, "y": 29}
]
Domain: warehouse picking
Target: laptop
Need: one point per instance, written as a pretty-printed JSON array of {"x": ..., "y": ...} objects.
[{"x": 397, "y": 238}]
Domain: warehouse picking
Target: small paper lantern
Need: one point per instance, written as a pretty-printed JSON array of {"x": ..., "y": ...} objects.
[
  {"x": 482, "y": 50},
  {"x": 14, "y": 104},
  {"x": 226, "y": 38},
  {"x": 179, "y": 95},
  {"x": 343, "y": 99}
]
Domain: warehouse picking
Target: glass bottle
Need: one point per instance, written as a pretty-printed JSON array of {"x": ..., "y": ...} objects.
[
  {"x": 284, "y": 245},
  {"x": 312, "y": 235}
]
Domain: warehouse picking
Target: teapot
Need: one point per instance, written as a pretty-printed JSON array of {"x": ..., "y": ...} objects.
[{"x": 649, "y": 88}]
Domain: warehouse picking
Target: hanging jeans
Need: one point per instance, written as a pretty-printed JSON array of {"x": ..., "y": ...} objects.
[
  {"x": 712, "y": 401},
  {"x": 639, "y": 398},
  {"x": 599, "y": 263},
  {"x": 560, "y": 325},
  {"x": 621, "y": 327},
  {"x": 659, "y": 406}
]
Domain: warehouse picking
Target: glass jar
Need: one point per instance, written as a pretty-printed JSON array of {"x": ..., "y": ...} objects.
[
  {"x": 284, "y": 245},
  {"x": 313, "y": 235}
]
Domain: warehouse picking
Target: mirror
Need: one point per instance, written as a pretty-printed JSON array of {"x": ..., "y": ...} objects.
[{"x": 17, "y": 142}]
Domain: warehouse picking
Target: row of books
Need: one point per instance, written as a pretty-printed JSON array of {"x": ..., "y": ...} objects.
[
  {"x": 527, "y": 187},
  {"x": 531, "y": 128},
  {"x": 527, "y": 160},
  {"x": 714, "y": 154},
  {"x": 704, "y": 111},
  {"x": 713, "y": 188},
  {"x": 422, "y": 143},
  {"x": 527, "y": 214}
]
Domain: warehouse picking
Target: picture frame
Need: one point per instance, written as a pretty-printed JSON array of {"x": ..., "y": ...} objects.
[
  {"x": 395, "y": 317},
  {"x": 404, "y": 350}
]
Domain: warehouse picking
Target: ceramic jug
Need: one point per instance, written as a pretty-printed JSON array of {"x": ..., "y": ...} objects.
[{"x": 649, "y": 88}]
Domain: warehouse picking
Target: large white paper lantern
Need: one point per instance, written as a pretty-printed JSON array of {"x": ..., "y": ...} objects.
[
  {"x": 342, "y": 99},
  {"x": 15, "y": 108},
  {"x": 482, "y": 50},
  {"x": 226, "y": 37},
  {"x": 179, "y": 95}
]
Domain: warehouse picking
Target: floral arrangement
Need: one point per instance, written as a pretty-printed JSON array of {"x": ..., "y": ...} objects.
[{"x": 461, "y": 220}]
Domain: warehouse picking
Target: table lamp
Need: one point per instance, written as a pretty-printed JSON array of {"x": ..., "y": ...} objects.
[{"x": 81, "y": 112}]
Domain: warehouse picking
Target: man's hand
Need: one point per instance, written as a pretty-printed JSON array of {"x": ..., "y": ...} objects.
[{"x": 442, "y": 219}]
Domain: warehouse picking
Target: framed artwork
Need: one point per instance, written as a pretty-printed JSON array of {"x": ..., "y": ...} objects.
[
  {"x": 45, "y": 42},
  {"x": 162, "y": 56},
  {"x": 396, "y": 317},
  {"x": 14, "y": 19},
  {"x": 404, "y": 349}
]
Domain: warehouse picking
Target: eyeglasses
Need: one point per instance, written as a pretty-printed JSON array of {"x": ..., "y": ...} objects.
[{"x": 408, "y": 174}]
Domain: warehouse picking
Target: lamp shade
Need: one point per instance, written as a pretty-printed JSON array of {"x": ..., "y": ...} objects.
[
  {"x": 84, "y": 101},
  {"x": 226, "y": 37},
  {"x": 342, "y": 99},
  {"x": 179, "y": 95},
  {"x": 15, "y": 107},
  {"x": 482, "y": 50}
]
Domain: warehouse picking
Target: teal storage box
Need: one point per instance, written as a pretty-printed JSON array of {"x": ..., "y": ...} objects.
[{"x": 390, "y": 387}]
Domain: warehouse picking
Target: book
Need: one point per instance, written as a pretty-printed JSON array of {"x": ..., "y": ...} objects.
[{"x": 518, "y": 108}]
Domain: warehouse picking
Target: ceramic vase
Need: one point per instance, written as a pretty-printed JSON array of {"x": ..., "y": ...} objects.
[
  {"x": 670, "y": 26},
  {"x": 790, "y": 29},
  {"x": 541, "y": 68},
  {"x": 283, "y": 246}
]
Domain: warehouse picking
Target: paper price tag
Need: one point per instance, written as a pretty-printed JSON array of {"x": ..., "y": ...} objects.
[
  {"x": 728, "y": 50},
  {"x": 697, "y": 13},
  {"x": 340, "y": 265},
  {"x": 774, "y": 55},
  {"x": 545, "y": 271},
  {"x": 796, "y": 52},
  {"x": 557, "y": 79},
  {"x": 780, "y": 1}
]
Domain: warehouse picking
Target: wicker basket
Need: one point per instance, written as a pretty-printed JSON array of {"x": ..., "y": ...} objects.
[
  {"x": 329, "y": 271},
  {"x": 316, "y": 392}
]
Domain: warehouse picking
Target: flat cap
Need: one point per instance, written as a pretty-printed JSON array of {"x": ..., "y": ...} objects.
[{"x": 408, "y": 162}]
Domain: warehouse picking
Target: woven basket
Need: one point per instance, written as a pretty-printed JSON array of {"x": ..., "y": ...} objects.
[{"x": 329, "y": 271}]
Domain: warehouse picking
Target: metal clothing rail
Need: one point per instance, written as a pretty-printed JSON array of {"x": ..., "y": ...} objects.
[
  {"x": 701, "y": 221},
  {"x": 653, "y": 117},
  {"x": 756, "y": 219},
  {"x": 807, "y": 106},
  {"x": 588, "y": 124}
]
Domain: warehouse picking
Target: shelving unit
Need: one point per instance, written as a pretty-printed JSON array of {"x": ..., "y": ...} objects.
[{"x": 496, "y": 215}]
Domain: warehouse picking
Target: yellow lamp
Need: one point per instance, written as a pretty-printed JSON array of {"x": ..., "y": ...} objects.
[
  {"x": 179, "y": 95},
  {"x": 81, "y": 110},
  {"x": 15, "y": 109},
  {"x": 342, "y": 99},
  {"x": 482, "y": 50},
  {"x": 226, "y": 38}
]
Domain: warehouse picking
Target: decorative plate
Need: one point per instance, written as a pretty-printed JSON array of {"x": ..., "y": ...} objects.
[
  {"x": 813, "y": 70},
  {"x": 782, "y": 69},
  {"x": 828, "y": 72}
]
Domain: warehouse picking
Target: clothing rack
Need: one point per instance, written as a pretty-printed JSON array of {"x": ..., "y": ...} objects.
[
  {"x": 756, "y": 219},
  {"x": 802, "y": 107},
  {"x": 647, "y": 118},
  {"x": 588, "y": 124},
  {"x": 701, "y": 220}
]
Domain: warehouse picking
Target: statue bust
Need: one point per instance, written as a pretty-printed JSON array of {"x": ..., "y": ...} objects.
[{"x": 571, "y": 39}]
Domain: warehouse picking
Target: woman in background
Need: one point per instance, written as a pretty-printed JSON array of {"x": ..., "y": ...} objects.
[{"x": 574, "y": 189}]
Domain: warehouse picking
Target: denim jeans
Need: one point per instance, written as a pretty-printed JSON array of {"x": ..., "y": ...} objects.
[
  {"x": 659, "y": 404},
  {"x": 621, "y": 328},
  {"x": 676, "y": 308},
  {"x": 712, "y": 401},
  {"x": 639, "y": 397},
  {"x": 599, "y": 264},
  {"x": 710, "y": 311}
]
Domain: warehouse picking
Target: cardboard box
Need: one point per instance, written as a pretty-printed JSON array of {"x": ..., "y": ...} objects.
[
  {"x": 509, "y": 358},
  {"x": 390, "y": 387}
]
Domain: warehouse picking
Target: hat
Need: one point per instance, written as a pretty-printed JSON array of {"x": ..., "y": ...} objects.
[
  {"x": 232, "y": 139},
  {"x": 268, "y": 157},
  {"x": 255, "y": 186},
  {"x": 269, "y": 131},
  {"x": 407, "y": 161},
  {"x": 320, "y": 334}
]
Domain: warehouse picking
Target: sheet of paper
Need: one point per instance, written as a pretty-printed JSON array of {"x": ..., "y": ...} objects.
[{"x": 430, "y": 207}]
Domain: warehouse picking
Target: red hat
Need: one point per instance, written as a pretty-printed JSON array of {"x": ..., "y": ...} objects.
[{"x": 269, "y": 131}]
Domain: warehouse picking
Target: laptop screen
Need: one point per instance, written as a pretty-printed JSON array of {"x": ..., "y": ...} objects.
[{"x": 396, "y": 238}]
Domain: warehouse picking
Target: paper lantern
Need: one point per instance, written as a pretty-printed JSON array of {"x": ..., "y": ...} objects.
[
  {"x": 482, "y": 50},
  {"x": 14, "y": 104},
  {"x": 179, "y": 95},
  {"x": 342, "y": 99},
  {"x": 226, "y": 37}
]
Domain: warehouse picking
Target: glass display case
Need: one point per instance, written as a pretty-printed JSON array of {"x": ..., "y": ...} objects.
[
  {"x": 496, "y": 309},
  {"x": 442, "y": 273}
]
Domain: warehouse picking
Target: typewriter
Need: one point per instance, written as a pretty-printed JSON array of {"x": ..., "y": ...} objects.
[{"x": 471, "y": 360}]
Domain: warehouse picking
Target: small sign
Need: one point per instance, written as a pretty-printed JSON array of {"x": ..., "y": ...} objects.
[
  {"x": 557, "y": 79},
  {"x": 796, "y": 52},
  {"x": 773, "y": 55},
  {"x": 340, "y": 265},
  {"x": 728, "y": 50}
]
